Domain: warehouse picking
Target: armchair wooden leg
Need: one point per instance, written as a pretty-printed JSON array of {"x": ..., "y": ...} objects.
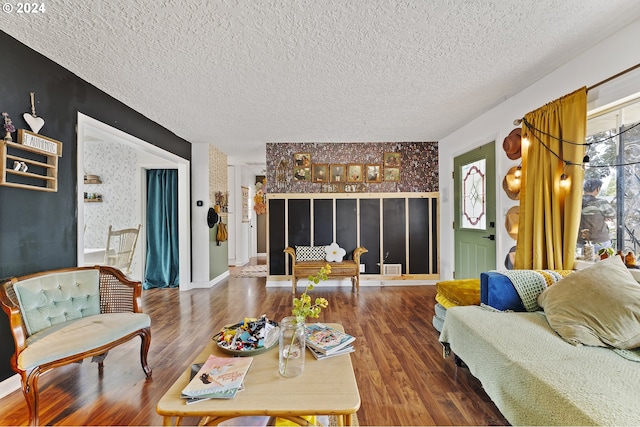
[
  {"x": 30, "y": 392},
  {"x": 144, "y": 350}
]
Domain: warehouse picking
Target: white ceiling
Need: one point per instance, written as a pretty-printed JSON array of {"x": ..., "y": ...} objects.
[{"x": 239, "y": 73}]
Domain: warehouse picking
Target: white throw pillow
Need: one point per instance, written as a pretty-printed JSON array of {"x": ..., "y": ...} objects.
[{"x": 335, "y": 253}]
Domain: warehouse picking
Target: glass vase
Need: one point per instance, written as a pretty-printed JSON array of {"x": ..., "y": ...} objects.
[{"x": 292, "y": 347}]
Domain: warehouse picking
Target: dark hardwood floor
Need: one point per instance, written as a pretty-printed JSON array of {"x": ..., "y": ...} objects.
[{"x": 402, "y": 376}]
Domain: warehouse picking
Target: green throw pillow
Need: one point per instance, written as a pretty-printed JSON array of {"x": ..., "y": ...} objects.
[{"x": 597, "y": 306}]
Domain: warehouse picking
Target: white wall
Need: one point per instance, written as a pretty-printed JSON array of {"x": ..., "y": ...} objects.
[
  {"x": 240, "y": 233},
  {"x": 199, "y": 227},
  {"x": 611, "y": 56}
]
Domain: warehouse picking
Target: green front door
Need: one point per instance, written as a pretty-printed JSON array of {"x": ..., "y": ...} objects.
[{"x": 475, "y": 212}]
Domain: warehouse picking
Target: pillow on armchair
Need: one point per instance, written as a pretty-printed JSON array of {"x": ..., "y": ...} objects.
[{"x": 597, "y": 306}]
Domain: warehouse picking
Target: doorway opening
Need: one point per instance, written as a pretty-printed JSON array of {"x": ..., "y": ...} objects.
[{"x": 124, "y": 160}]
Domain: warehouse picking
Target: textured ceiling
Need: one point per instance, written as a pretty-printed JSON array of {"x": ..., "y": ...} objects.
[{"x": 239, "y": 73}]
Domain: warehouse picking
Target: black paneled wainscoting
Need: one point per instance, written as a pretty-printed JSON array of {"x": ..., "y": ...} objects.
[{"x": 396, "y": 228}]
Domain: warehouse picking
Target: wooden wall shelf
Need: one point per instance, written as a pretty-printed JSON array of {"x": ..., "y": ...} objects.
[{"x": 43, "y": 171}]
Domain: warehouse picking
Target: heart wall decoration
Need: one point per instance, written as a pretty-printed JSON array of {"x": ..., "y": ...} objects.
[{"x": 34, "y": 122}]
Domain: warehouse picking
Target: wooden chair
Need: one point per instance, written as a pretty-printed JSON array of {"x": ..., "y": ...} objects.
[{"x": 121, "y": 245}]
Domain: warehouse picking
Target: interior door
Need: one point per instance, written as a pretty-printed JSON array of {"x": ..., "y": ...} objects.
[{"x": 475, "y": 212}]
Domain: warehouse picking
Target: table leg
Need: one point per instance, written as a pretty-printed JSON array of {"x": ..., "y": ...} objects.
[
  {"x": 345, "y": 420},
  {"x": 171, "y": 421}
]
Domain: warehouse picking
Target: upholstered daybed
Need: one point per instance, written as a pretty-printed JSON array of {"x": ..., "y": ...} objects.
[{"x": 572, "y": 364}]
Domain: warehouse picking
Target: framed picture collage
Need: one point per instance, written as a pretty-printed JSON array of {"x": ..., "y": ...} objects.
[{"x": 388, "y": 170}]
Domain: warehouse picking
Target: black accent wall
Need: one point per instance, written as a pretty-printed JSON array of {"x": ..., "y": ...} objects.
[{"x": 38, "y": 229}]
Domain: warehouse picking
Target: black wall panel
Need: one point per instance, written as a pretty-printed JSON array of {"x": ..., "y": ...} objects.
[
  {"x": 434, "y": 233},
  {"x": 346, "y": 225},
  {"x": 394, "y": 232},
  {"x": 370, "y": 234},
  {"x": 299, "y": 222},
  {"x": 322, "y": 222},
  {"x": 276, "y": 237},
  {"x": 419, "y": 248},
  {"x": 38, "y": 230}
]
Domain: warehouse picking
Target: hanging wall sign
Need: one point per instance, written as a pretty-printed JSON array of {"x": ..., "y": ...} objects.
[
  {"x": 42, "y": 143},
  {"x": 341, "y": 187}
]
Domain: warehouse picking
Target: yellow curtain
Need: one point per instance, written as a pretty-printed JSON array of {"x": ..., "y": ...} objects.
[{"x": 550, "y": 208}]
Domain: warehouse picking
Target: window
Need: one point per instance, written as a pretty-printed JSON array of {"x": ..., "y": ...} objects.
[
  {"x": 473, "y": 195},
  {"x": 613, "y": 147}
]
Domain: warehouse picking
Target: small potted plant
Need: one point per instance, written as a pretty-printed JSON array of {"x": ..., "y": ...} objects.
[{"x": 606, "y": 253}]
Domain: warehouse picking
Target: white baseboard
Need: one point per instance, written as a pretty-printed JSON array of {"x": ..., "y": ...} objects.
[
  {"x": 210, "y": 283},
  {"x": 9, "y": 385},
  {"x": 347, "y": 282}
]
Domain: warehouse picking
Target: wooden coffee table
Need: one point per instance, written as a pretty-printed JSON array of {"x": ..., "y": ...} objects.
[{"x": 326, "y": 387}]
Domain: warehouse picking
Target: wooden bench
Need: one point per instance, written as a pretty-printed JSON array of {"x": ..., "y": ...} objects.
[
  {"x": 63, "y": 316},
  {"x": 347, "y": 268}
]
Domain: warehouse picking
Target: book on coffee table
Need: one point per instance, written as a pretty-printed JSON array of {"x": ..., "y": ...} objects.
[
  {"x": 325, "y": 339},
  {"x": 218, "y": 378}
]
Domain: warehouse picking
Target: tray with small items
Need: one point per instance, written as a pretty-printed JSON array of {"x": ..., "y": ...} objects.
[{"x": 250, "y": 337}]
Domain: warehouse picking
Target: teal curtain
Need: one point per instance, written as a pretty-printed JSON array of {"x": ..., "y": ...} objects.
[{"x": 162, "y": 269}]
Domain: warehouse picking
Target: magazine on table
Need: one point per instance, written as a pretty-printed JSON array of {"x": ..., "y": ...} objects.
[
  {"x": 189, "y": 400},
  {"x": 326, "y": 339},
  {"x": 218, "y": 378},
  {"x": 318, "y": 355}
]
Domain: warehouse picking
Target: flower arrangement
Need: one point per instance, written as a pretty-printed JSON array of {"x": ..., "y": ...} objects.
[
  {"x": 302, "y": 308},
  {"x": 8, "y": 126}
]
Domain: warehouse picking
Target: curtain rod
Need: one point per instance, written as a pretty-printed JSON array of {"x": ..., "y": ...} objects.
[
  {"x": 517, "y": 122},
  {"x": 607, "y": 80}
]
